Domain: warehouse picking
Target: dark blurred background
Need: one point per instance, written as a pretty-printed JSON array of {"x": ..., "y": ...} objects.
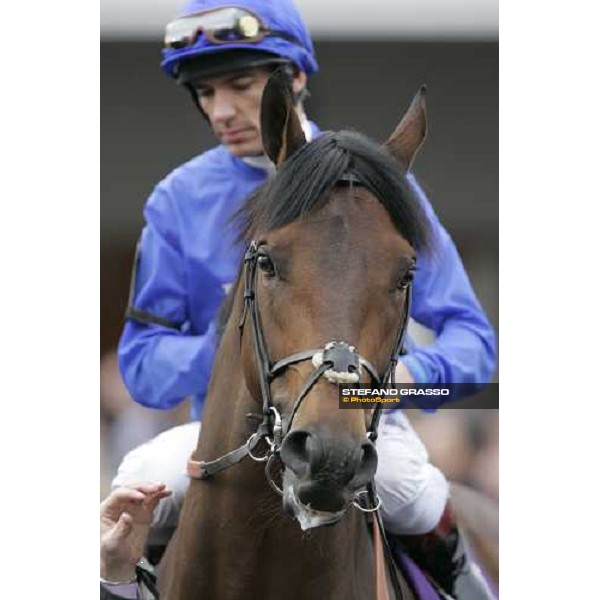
[{"x": 149, "y": 126}]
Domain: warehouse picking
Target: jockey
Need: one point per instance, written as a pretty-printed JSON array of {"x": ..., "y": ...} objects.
[{"x": 187, "y": 260}]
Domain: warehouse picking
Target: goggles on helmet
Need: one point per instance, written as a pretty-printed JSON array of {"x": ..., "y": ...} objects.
[{"x": 221, "y": 26}]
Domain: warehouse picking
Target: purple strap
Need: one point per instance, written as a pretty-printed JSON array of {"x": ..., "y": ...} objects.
[{"x": 420, "y": 583}]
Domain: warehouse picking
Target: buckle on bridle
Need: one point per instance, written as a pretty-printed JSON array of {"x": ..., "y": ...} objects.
[{"x": 264, "y": 432}]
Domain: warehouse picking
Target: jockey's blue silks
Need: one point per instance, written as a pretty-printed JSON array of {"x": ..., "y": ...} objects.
[{"x": 188, "y": 261}]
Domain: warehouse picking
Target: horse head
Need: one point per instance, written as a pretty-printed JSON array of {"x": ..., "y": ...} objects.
[{"x": 333, "y": 242}]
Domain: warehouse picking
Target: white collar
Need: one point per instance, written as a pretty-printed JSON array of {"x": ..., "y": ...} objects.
[{"x": 263, "y": 162}]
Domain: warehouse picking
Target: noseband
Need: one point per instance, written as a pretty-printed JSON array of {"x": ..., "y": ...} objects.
[{"x": 338, "y": 362}]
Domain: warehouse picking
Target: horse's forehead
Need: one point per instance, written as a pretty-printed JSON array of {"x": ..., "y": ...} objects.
[
  {"x": 346, "y": 216},
  {"x": 357, "y": 205}
]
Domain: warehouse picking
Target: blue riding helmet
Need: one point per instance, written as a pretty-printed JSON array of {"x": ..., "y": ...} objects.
[{"x": 294, "y": 44}]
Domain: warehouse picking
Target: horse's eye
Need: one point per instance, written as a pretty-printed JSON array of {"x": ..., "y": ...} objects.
[
  {"x": 406, "y": 279},
  {"x": 265, "y": 264}
]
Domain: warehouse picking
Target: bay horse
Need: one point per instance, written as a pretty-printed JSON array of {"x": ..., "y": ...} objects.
[{"x": 332, "y": 241}]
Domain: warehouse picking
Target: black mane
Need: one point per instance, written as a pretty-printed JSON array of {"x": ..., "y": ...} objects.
[{"x": 304, "y": 182}]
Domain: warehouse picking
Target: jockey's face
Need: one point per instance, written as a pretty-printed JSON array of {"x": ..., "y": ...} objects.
[{"x": 232, "y": 105}]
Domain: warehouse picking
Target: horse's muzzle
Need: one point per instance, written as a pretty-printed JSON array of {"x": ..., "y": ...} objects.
[{"x": 323, "y": 474}]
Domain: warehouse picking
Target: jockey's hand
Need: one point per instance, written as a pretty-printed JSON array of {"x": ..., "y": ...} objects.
[
  {"x": 402, "y": 374},
  {"x": 125, "y": 518}
]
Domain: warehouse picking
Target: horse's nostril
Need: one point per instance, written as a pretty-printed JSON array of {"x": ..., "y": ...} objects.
[
  {"x": 297, "y": 451},
  {"x": 367, "y": 465}
]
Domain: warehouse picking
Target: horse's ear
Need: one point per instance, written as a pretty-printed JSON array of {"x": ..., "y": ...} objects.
[
  {"x": 280, "y": 126},
  {"x": 408, "y": 137}
]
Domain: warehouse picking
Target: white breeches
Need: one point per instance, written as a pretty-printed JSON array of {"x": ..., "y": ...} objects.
[{"x": 413, "y": 492}]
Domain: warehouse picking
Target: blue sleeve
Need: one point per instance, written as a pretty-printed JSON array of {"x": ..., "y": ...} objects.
[
  {"x": 160, "y": 365},
  {"x": 443, "y": 300}
]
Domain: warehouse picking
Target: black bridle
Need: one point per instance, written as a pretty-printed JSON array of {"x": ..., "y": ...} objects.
[{"x": 337, "y": 361}]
